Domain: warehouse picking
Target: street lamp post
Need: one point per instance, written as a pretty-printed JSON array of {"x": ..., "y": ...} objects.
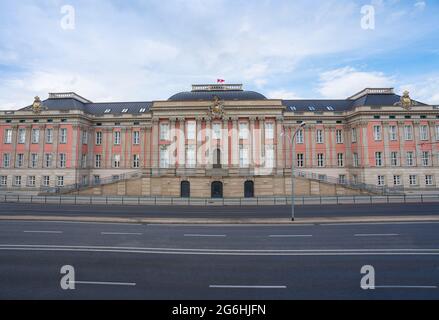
[{"x": 293, "y": 151}]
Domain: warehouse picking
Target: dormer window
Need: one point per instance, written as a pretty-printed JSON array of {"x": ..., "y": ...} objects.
[
  {"x": 330, "y": 108},
  {"x": 312, "y": 109},
  {"x": 107, "y": 111},
  {"x": 293, "y": 108},
  {"x": 142, "y": 110},
  {"x": 124, "y": 110}
]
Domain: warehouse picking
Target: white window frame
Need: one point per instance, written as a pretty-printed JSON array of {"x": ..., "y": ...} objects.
[
  {"x": 429, "y": 180},
  {"x": 243, "y": 156},
  {"x": 269, "y": 130},
  {"x": 49, "y": 135},
  {"x": 136, "y": 161},
  {"x": 8, "y": 136},
  {"x": 62, "y": 160},
  {"x": 216, "y": 131},
  {"x": 6, "y": 160},
  {"x": 378, "y": 159},
  {"x": 354, "y": 135},
  {"x": 35, "y": 136},
  {"x": 423, "y": 133},
  {"x": 136, "y": 137},
  {"x": 397, "y": 180},
  {"x": 164, "y": 131},
  {"x": 34, "y": 160},
  {"x": 393, "y": 133},
  {"x": 321, "y": 160},
  {"x": 425, "y": 158},
  {"x": 191, "y": 130},
  {"x": 408, "y": 133},
  {"x": 164, "y": 157},
  {"x": 410, "y": 159},
  {"x": 300, "y": 138},
  {"x": 413, "y": 180},
  {"x": 117, "y": 138},
  {"x": 60, "y": 181},
  {"x": 243, "y": 131},
  {"x": 300, "y": 160},
  {"x": 377, "y": 133},
  {"x": 116, "y": 161},
  {"x": 340, "y": 160},
  {"x": 191, "y": 156},
  {"x": 98, "y": 138},
  {"x": 319, "y": 136},
  {"x": 63, "y": 136},
  {"x": 21, "y": 136},
  {"x": 98, "y": 161},
  {"x": 269, "y": 156},
  {"x": 339, "y": 136},
  {"x": 381, "y": 180}
]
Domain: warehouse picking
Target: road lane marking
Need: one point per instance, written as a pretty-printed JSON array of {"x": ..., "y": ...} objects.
[
  {"x": 376, "y": 223},
  {"x": 71, "y": 222},
  {"x": 122, "y": 233},
  {"x": 37, "y": 231},
  {"x": 216, "y": 225},
  {"x": 290, "y": 236},
  {"x": 377, "y": 235},
  {"x": 245, "y": 287},
  {"x": 205, "y": 235},
  {"x": 406, "y": 287},
  {"x": 131, "y": 284}
]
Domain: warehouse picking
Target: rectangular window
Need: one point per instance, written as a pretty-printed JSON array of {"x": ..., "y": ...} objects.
[
  {"x": 46, "y": 181},
  {"x": 243, "y": 157},
  {"x": 97, "y": 179},
  {"x": 136, "y": 161},
  {"x": 340, "y": 159},
  {"x": 339, "y": 136},
  {"x": 3, "y": 181},
  {"x": 84, "y": 161},
  {"x": 413, "y": 180},
  {"x": 116, "y": 161},
  {"x": 31, "y": 181},
  {"x": 17, "y": 181},
  {"x": 269, "y": 130},
  {"x": 429, "y": 180},
  {"x": 425, "y": 158},
  {"x": 35, "y": 136},
  {"x": 49, "y": 135},
  {"x": 396, "y": 180},
  {"x": 48, "y": 160},
  {"x": 394, "y": 159},
  {"x": 190, "y": 156},
  {"x": 84, "y": 180},
  {"x": 84, "y": 137},
  {"x": 21, "y": 136},
  {"x": 381, "y": 181},
  {"x": 354, "y": 135},
  {"x": 6, "y": 160},
  {"x": 164, "y": 132},
  {"x": 410, "y": 159},
  {"x": 300, "y": 160},
  {"x": 62, "y": 160},
  {"x": 20, "y": 160},
  {"x": 354, "y": 179},
  {"x": 437, "y": 133},
  {"x": 8, "y": 136},
  {"x": 34, "y": 160},
  {"x": 423, "y": 133},
  {"x": 98, "y": 160},
  {"x": 377, "y": 134},
  {"x": 393, "y": 133},
  {"x": 136, "y": 137},
  {"x": 408, "y": 133},
  {"x": 60, "y": 181},
  {"x": 117, "y": 137},
  {"x": 98, "y": 138},
  {"x": 217, "y": 131},
  {"x": 269, "y": 156},
  {"x": 191, "y": 130},
  {"x": 356, "y": 160},
  {"x": 164, "y": 157},
  {"x": 319, "y": 136},
  {"x": 342, "y": 179},
  {"x": 300, "y": 137},
  {"x": 63, "y": 136},
  {"x": 243, "y": 130},
  {"x": 379, "y": 159},
  {"x": 320, "y": 160}
]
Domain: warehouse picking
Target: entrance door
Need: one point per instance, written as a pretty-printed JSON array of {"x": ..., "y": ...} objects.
[
  {"x": 185, "y": 189},
  {"x": 217, "y": 189},
  {"x": 249, "y": 189}
]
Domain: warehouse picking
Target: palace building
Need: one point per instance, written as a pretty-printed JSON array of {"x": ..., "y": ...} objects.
[{"x": 220, "y": 140}]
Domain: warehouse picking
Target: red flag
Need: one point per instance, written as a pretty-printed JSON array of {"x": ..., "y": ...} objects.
[{"x": 221, "y": 81}]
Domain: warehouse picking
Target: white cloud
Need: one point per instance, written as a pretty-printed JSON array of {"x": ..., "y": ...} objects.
[
  {"x": 344, "y": 82},
  {"x": 420, "y": 5},
  {"x": 424, "y": 89},
  {"x": 282, "y": 94}
]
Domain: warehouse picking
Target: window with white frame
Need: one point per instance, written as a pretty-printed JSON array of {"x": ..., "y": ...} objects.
[
  {"x": 117, "y": 137},
  {"x": 98, "y": 161},
  {"x": 379, "y": 159},
  {"x": 423, "y": 132},
  {"x": 46, "y": 181},
  {"x": 269, "y": 130},
  {"x": 300, "y": 160},
  {"x": 49, "y": 135},
  {"x": 116, "y": 161},
  {"x": 339, "y": 136},
  {"x": 136, "y": 137},
  {"x": 216, "y": 127},
  {"x": 191, "y": 130},
  {"x": 410, "y": 159},
  {"x": 164, "y": 157},
  {"x": 84, "y": 137},
  {"x": 342, "y": 179},
  {"x": 20, "y": 160},
  {"x": 63, "y": 136},
  {"x": 413, "y": 180},
  {"x": 396, "y": 180},
  {"x": 393, "y": 133},
  {"x": 62, "y": 160},
  {"x": 21, "y": 136},
  {"x": 48, "y": 160},
  {"x": 35, "y": 136},
  {"x": 377, "y": 133},
  {"x": 269, "y": 156},
  {"x": 17, "y": 181},
  {"x": 425, "y": 158},
  {"x": 340, "y": 159},
  {"x": 437, "y": 133},
  {"x": 356, "y": 160},
  {"x": 6, "y": 160},
  {"x": 31, "y": 181},
  {"x": 34, "y": 160},
  {"x": 243, "y": 156},
  {"x": 98, "y": 138},
  {"x": 429, "y": 180},
  {"x": 243, "y": 131},
  {"x": 84, "y": 161},
  {"x": 164, "y": 132},
  {"x": 60, "y": 181},
  {"x": 300, "y": 137},
  {"x": 136, "y": 161},
  {"x": 320, "y": 160},
  {"x": 354, "y": 135},
  {"x": 408, "y": 133},
  {"x": 381, "y": 181},
  {"x": 394, "y": 158},
  {"x": 191, "y": 156},
  {"x": 3, "y": 181},
  {"x": 97, "y": 179},
  {"x": 84, "y": 180},
  {"x": 8, "y": 136},
  {"x": 319, "y": 136}
]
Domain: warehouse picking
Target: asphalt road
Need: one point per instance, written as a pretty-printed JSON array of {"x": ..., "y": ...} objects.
[
  {"x": 220, "y": 212},
  {"x": 135, "y": 261}
]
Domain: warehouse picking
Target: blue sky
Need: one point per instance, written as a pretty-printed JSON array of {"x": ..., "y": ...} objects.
[{"x": 133, "y": 50}]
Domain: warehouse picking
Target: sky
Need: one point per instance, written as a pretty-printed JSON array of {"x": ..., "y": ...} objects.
[{"x": 133, "y": 50}]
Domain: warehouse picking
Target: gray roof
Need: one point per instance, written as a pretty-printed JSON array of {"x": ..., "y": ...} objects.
[{"x": 223, "y": 95}]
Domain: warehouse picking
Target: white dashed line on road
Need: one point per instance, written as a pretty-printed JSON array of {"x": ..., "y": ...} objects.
[
  {"x": 37, "y": 231},
  {"x": 206, "y": 235},
  {"x": 378, "y": 235},
  {"x": 122, "y": 233}
]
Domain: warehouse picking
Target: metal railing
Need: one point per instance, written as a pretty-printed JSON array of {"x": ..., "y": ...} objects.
[{"x": 258, "y": 201}]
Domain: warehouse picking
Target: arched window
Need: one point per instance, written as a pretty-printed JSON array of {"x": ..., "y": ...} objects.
[
  {"x": 217, "y": 189},
  {"x": 185, "y": 189},
  {"x": 249, "y": 189}
]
